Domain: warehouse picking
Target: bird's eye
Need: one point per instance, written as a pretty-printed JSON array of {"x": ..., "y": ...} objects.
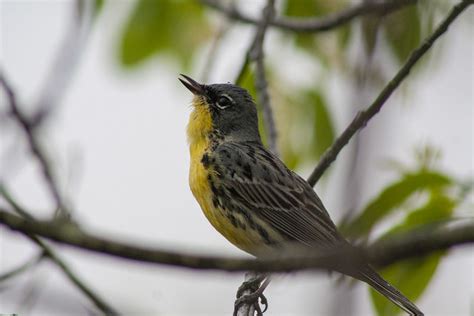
[{"x": 224, "y": 101}]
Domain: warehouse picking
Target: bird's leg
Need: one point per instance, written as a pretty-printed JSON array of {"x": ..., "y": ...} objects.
[{"x": 250, "y": 292}]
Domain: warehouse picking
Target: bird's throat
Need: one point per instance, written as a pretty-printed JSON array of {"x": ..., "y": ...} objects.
[
  {"x": 200, "y": 124},
  {"x": 199, "y": 129}
]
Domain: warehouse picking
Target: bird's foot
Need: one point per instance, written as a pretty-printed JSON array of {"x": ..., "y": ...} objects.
[{"x": 251, "y": 293}]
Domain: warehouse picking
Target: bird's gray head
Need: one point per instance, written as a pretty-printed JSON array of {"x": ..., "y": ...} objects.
[{"x": 231, "y": 108}]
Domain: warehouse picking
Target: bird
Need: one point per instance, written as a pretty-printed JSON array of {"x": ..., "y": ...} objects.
[{"x": 249, "y": 195}]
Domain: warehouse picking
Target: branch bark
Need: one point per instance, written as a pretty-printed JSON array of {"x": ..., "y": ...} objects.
[
  {"x": 363, "y": 117},
  {"x": 409, "y": 245},
  {"x": 311, "y": 25}
]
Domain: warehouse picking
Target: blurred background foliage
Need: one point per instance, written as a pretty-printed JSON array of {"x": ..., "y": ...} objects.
[{"x": 421, "y": 195}]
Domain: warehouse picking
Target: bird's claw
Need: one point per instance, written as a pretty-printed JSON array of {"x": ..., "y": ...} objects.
[{"x": 252, "y": 299}]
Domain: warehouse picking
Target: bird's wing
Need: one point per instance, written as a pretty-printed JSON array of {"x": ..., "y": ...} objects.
[{"x": 258, "y": 182}]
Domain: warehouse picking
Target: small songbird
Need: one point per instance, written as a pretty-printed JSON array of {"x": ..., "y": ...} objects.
[{"x": 249, "y": 195}]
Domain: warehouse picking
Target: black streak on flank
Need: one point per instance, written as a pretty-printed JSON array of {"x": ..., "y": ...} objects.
[
  {"x": 205, "y": 160},
  {"x": 233, "y": 220},
  {"x": 213, "y": 187},
  {"x": 215, "y": 202},
  {"x": 264, "y": 234}
]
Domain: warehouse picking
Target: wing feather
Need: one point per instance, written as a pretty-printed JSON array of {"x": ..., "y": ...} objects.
[{"x": 259, "y": 183}]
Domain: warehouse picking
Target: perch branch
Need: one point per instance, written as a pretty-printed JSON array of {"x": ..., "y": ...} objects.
[{"x": 380, "y": 254}]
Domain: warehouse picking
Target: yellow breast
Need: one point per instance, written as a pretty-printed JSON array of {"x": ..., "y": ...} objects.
[{"x": 199, "y": 129}]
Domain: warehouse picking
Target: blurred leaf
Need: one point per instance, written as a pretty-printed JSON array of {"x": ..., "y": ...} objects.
[
  {"x": 317, "y": 8},
  {"x": 98, "y": 5},
  {"x": 292, "y": 160},
  {"x": 344, "y": 35},
  {"x": 438, "y": 208},
  {"x": 323, "y": 126},
  {"x": 306, "y": 127},
  {"x": 174, "y": 27},
  {"x": 304, "y": 8},
  {"x": 413, "y": 276},
  {"x": 403, "y": 31},
  {"x": 391, "y": 197},
  {"x": 410, "y": 277},
  {"x": 248, "y": 83},
  {"x": 427, "y": 155}
]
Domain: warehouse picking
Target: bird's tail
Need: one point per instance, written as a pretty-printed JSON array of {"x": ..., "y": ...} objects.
[{"x": 371, "y": 277}]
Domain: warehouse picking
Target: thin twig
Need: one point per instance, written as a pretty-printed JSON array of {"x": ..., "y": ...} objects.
[
  {"x": 21, "y": 268},
  {"x": 256, "y": 55},
  {"x": 386, "y": 252},
  {"x": 222, "y": 29},
  {"x": 34, "y": 144},
  {"x": 363, "y": 117},
  {"x": 51, "y": 254},
  {"x": 311, "y": 25}
]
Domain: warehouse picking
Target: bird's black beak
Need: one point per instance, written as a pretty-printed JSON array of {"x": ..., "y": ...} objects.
[{"x": 195, "y": 87}]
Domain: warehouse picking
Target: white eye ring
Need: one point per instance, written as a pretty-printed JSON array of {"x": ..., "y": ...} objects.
[{"x": 223, "y": 105}]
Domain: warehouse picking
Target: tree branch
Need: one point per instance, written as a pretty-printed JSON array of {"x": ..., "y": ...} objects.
[
  {"x": 385, "y": 252},
  {"x": 363, "y": 117},
  {"x": 51, "y": 254},
  {"x": 26, "y": 125},
  {"x": 310, "y": 25}
]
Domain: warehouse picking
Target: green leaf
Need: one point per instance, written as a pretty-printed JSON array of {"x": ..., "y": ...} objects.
[
  {"x": 344, "y": 35},
  {"x": 403, "y": 31},
  {"x": 98, "y": 5},
  {"x": 291, "y": 159},
  {"x": 303, "y": 8},
  {"x": 438, "y": 208},
  {"x": 317, "y": 8},
  {"x": 412, "y": 277},
  {"x": 173, "y": 27},
  {"x": 248, "y": 82},
  {"x": 323, "y": 126},
  {"x": 392, "y": 197}
]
